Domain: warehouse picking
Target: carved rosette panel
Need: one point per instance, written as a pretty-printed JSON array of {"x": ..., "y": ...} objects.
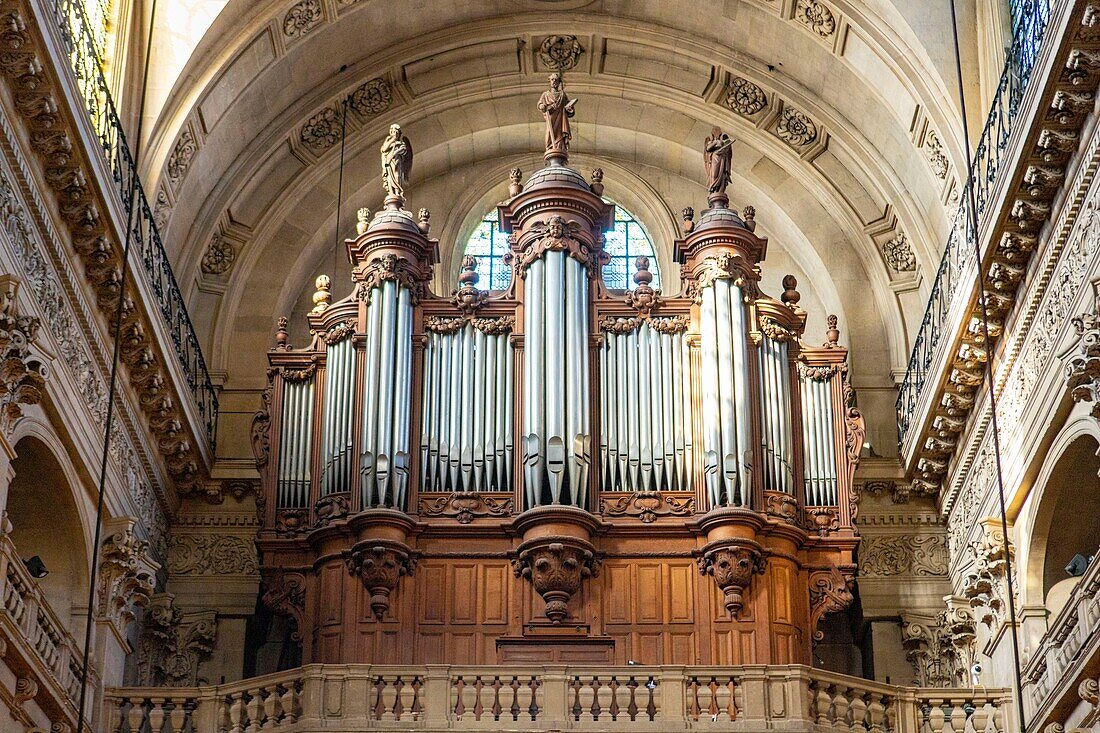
[
  {"x": 732, "y": 565},
  {"x": 830, "y": 592},
  {"x": 380, "y": 566},
  {"x": 465, "y": 506},
  {"x": 285, "y": 594},
  {"x": 556, "y": 567},
  {"x": 647, "y": 506}
]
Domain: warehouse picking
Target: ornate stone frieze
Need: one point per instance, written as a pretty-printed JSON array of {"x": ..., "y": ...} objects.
[
  {"x": 899, "y": 255},
  {"x": 302, "y": 18},
  {"x": 1082, "y": 369},
  {"x": 211, "y": 554},
  {"x": 371, "y": 98},
  {"x": 180, "y": 159},
  {"x": 816, "y": 16},
  {"x": 22, "y": 376},
  {"x": 465, "y": 506},
  {"x": 126, "y": 576},
  {"x": 162, "y": 208},
  {"x": 322, "y": 130},
  {"x": 647, "y": 506},
  {"x": 907, "y": 554},
  {"x": 940, "y": 647},
  {"x": 934, "y": 154},
  {"x": 219, "y": 255},
  {"x": 744, "y": 97},
  {"x": 830, "y": 592},
  {"x": 174, "y": 643},
  {"x": 380, "y": 566},
  {"x": 560, "y": 53},
  {"x": 556, "y": 568},
  {"x": 795, "y": 128},
  {"x": 732, "y": 564}
]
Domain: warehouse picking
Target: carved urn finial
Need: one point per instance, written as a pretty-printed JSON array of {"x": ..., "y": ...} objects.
[
  {"x": 790, "y": 295},
  {"x": 749, "y": 215},
  {"x": 557, "y": 109},
  {"x": 597, "y": 181},
  {"x": 281, "y": 334},
  {"x": 515, "y": 182},
  {"x": 643, "y": 297},
  {"x": 323, "y": 295},
  {"x": 397, "y": 159},
  {"x": 832, "y": 335},
  {"x": 467, "y": 297},
  {"x": 688, "y": 214},
  {"x": 362, "y": 221},
  {"x": 424, "y": 221}
]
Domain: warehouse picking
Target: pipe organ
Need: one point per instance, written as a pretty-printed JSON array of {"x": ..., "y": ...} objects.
[{"x": 558, "y": 470}]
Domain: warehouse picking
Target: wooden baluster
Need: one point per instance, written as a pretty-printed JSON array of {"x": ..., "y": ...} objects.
[
  {"x": 496, "y": 708},
  {"x": 398, "y": 705},
  {"x": 514, "y": 708},
  {"x": 632, "y": 701},
  {"x": 534, "y": 710},
  {"x": 736, "y": 699},
  {"x": 693, "y": 709},
  {"x": 478, "y": 706},
  {"x": 651, "y": 703},
  {"x": 575, "y": 687},
  {"x": 460, "y": 705}
]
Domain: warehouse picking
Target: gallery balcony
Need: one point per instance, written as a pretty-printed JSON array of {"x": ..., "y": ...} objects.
[{"x": 543, "y": 697}]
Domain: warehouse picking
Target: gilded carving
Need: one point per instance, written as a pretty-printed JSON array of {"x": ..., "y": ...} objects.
[
  {"x": 732, "y": 565},
  {"x": 560, "y": 53},
  {"x": 556, "y": 569},
  {"x": 830, "y": 592},
  {"x": 206, "y": 554},
  {"x": 795, "y": 128},
  {"x": 380, "y": 566},
  {"x": 465, "y": 506},
  {"x": 647, "y": 506},
  {"x": 744, "y": 97},
  {"x": 174, "y": 643}
]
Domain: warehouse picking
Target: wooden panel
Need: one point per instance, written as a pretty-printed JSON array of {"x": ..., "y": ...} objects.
[
  {"x": 681, "y": 648},
  {"x": 329, "y": 645},
  {"x": 389, "y": 645},
  {"x": 617, "y": 593},
  {"x": 722, "y": 646},
  {"x": 462, "y": 646},
  {"x": 494, "y": 594},
  {"x": 681, "y": 594},
  {"x": 746, "y": 643},
  {"x": 463, "y": 593},
  {"x": 432, "y": 579},
  {"x": 332, "y": 593},
  {"x": 781, "y": 582},
  {"x": 648, "y": 648},
  {"x": 649, "y": 593},
  {"x": 429, "y": 648}
]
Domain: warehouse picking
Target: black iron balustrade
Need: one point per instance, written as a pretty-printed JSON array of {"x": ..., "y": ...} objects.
[
  {"x": 1029, "y": 27},
  {"x": 82, "y": 41}
]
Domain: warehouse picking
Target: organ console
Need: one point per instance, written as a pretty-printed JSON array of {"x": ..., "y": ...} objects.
[{"x": 559, "y": 470}]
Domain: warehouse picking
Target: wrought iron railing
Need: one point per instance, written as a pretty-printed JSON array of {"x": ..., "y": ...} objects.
[
  {"x": 80, "y": 40},
  {"x": 1030, "y": 23}
]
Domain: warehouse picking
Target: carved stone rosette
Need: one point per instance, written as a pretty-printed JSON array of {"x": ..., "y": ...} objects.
[
  {"x": 556, "y": 567},
  {"x": 732, "y": 564},
  {"x": 379, "y": 565}
]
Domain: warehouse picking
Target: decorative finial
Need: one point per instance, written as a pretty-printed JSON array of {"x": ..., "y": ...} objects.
[
  {"x": 749, "y": 215},
  {"x": 689, "y": 219},
  {"x": 597, "y": 181},
  {"x": 423, "y": 221},
  {"x": 468, "y": 275},
  {"x": 322, "y": 296},
  {"x": 557, "y": 108},
  {"x": 643, "y": 276},
  {"x": 833, "y": 334},
  {"x": 643, "y": 297},
  {"x": 281, "y": 334},
  {"x": 467, "y": 297},
  {"x": 790, "y": 295},
  {"x": 362, "y": 221},
  {"x": 718, "y": 157},
  {"x": 515, "y": 187},
  {"x": 397, "y": 159}
]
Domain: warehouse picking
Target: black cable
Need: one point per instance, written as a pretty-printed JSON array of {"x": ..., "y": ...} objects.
[
  {"x": 111, "y": 390},
  {"x": 340, "y": 186},
  {"x": 973, "y": 217}
]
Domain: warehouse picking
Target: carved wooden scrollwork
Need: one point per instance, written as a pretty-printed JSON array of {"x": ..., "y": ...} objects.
[
  {"x": 557, "y": 235},
  {"x": 830, "y": 592},
  {"x": 285, "y": 594},
  {"x": 380, "y": 566},
  {"x": 465, "y": 506},
  {"x": 732, "y": 565},
  {"x": 260, "y": 434},
  {"x": 781, "y": 506},
  {"x": 556, "y": 567},
  {"x": 647, "y": 506},
  {"x": 390, "y": 267}
]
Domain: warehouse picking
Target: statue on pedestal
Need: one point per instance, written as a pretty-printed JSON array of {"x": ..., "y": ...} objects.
[
  {"x": 718, "y": 156},
  {"x": 557, "y": 108},
  {"x": 397, "y": 158}
]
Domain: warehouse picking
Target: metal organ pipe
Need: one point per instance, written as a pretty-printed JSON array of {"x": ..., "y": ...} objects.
[
  {"x": 336, "y": 440},
  {"x": 775, "y": 413},
  {"x": 819, "y": 440},
  {"x": 295, "y": 439}
]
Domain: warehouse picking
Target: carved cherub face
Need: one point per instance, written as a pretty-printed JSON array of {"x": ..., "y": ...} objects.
[{"x": 557, "y": 227}]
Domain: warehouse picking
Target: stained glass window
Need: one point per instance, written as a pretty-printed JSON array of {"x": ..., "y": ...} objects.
[{"x": 624, "y": 243}]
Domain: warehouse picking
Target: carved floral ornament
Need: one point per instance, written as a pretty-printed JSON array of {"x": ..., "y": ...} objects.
[
  {"x": 390, "y": 267},
  {"x": 22, "y": 377},
  {"x": 372, "y": 97},
  {"x": 322, "y": 130},
  {"x": 940, "y": 647},
  {"x": 663, "y": 324},
  {"x": 899, "y": 254},
  {"x": 174, "y": 643},
  {"x": 556, "y": 235},
  {"x": 206, "y": 554},
  {"x": 795, "y": 128},
  {"x": 302, "y": 18},
  {"x": 182, "y": 155},
  {"x": 556, "y": 567},
  {"x": 488, "y": 326},
  {"x": 126, "y": 577},
  {"x": 816, "y": 16},
  {"x": 647, "y": 506},
  {"x": 380, "y": 566},
  {"x": 907, "y": 554},
  {"x": 560, "y": 53},
  {"x": 732, "y": 565},
  {"x": 465, "y": 506},
  {"x": 1082, "y": 371},
  {"x": 285, "y": 594},
  {"x": 830, "y": 592},
  {"x": 933, "y": 151},
  {"x": 986, "y": 585},
  {"x": 219, "y": 255},
  {"x": 744, "y": 97}
]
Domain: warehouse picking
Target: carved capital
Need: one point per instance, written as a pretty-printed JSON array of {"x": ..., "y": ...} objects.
[
  {"x": 940, "y": 647},
  {"x": 22, "y": 376},
  {"x": 732, "y": 565},
  {"x": 126, "y": 576},
  {"x": 556, "y": 566},
  {"x": 1082, "y": 370},
  {"x": 379, "y": 566},
  {"x": 830, "y": 592},
  {"x": 174, "y": 643}
]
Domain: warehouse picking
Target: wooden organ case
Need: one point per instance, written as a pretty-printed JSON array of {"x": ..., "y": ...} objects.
[{"x": 557, "y": 472}]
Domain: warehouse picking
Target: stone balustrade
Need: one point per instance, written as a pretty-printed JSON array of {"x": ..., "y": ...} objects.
[
  {"x": 1069, "y": 648},
  {"x": 441, "y": 697}
]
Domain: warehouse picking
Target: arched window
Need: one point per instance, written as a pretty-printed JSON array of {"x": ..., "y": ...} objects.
[{"x": 624, "y": 244}]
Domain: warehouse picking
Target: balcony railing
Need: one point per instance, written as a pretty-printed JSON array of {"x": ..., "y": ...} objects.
[
  {"x": 957, "y": 265},
  {"x": 439, "y": 697},
  {"x": 82, "y": 38}
]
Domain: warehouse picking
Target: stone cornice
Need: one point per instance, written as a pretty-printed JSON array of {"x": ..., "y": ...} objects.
[{"x": 44, "y": 96}]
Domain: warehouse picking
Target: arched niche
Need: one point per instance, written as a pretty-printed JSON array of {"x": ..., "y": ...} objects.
[{"x": 46, "y": 522}]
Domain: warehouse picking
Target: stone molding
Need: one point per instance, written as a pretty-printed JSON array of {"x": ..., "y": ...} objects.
[
  {"x": 127, "y": 575},
  {"x": 174, "y": 643},
  {"x": 940, "y": 647}
]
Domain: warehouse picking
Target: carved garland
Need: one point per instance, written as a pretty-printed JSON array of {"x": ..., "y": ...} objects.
[
  {"x": 391, "y": 268},
  {"x": 663, "y": 324}
]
